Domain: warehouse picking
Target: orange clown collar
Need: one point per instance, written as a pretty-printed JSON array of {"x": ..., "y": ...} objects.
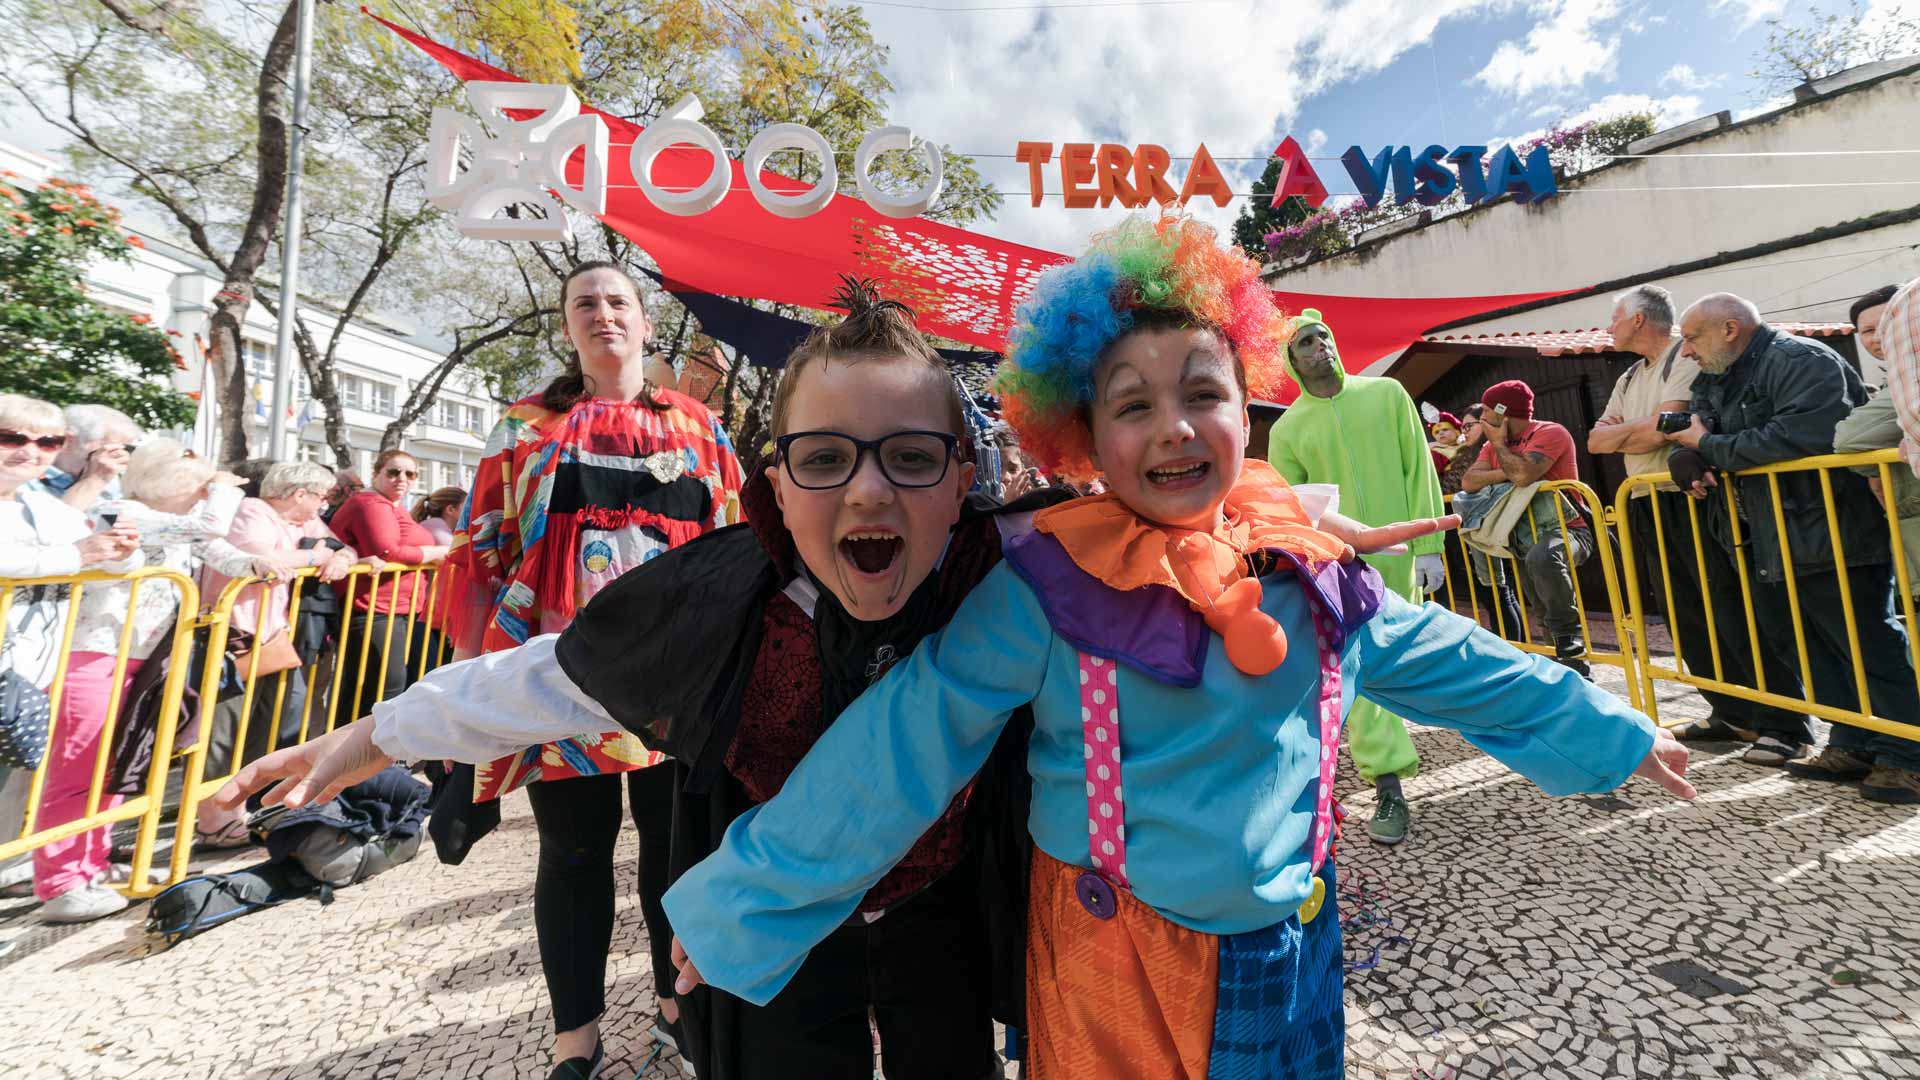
[{"x": 1105, "y": 538}]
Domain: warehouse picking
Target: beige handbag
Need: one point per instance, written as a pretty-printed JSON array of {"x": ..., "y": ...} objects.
[{"x": 277, "y": 655}]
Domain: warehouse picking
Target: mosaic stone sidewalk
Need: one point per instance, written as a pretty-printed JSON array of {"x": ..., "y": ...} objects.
[{"x": 1770, "y": 930}]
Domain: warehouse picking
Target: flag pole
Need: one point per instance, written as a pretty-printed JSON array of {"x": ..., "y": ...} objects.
[{"x": 290, "y": 240}]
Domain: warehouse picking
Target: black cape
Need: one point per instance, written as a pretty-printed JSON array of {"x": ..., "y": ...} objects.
[{"x": 667, "y": 650}]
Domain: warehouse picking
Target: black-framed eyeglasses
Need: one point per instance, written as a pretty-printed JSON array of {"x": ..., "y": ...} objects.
[
  {"x": 13, "y": 440},
  {"x": 819, "y": 460}
]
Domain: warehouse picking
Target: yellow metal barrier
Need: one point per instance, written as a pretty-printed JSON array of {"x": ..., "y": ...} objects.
[
  {"x": 325, "y": 677},
  {"x": 1649, "y": 667},
  {"x": 1600, "y": 522},
  {"x": 147, "y": 805}
]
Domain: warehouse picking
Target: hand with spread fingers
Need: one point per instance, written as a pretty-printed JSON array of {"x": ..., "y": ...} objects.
[
  {"x": 1383, "y": 539},
  {"x": 313, "y": 772},
  {"x": 1666, "y": 764}
]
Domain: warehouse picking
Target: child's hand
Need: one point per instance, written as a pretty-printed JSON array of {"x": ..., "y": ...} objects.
[
  {"x": 1666, "y": 764},
  {"x": 1385, "y": 539},
  {"x": 689, "y": 975}
]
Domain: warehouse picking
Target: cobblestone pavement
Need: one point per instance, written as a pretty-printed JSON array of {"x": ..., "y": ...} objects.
[{"x": 1768, "y": 931}]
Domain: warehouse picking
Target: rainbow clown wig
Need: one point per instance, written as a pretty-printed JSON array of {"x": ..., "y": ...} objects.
[{"x": 1172, "y": 265}]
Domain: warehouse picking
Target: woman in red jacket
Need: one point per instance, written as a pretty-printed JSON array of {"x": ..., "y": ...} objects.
[{"x": 376, "y": 522}]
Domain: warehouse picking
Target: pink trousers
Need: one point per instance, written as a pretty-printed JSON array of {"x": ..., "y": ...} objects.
[{"x": 72, "y": 750}]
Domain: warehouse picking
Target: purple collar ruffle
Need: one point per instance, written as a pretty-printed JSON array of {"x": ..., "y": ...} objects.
[{"x": 1153, "y": 630}]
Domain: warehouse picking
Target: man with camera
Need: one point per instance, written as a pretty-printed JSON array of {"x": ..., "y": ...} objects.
[
  {"x": 1764, "y": 397},
  {"x": 1521, "y": 450},
  {"x": 1649, "y": 400}
]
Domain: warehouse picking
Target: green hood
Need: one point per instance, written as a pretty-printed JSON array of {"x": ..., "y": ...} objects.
[{"x": 1311, "y": 317}]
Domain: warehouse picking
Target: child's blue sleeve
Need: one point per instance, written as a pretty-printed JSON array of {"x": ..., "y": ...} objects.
[
  {"x": 790, "y": 871},
  {"x": 1539, "y": 718}
]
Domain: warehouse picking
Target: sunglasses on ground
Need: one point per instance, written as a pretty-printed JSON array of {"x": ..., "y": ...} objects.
[
  {"x": 820, "y": 460},
  {"x": 14, "y": 440}
]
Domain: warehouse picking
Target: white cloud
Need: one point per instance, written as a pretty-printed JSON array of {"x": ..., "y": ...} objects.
[
  {"x": 1316, "y": 141},
  {"x": 1752, "y": 11},
  {"x": 1229, "y": 74},
  {"x": 1684, "y": 77},
  {"x": 1766, "y": 106},
  {"x": 1560, "y": 52},
  {"x": 1667, "y": 111}
]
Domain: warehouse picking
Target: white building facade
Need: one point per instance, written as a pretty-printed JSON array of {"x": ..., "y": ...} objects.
[
  {"x": 378, "y": 363},
  {"x": 1798, "y": 210}
]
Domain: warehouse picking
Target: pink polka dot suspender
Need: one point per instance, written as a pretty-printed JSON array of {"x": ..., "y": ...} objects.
[{"x": 1100, "y": 732}]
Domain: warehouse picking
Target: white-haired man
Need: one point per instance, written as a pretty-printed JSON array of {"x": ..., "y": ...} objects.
[
  {"x": 1765, "y": 397},
  {"x": 99, "y": 445},
  {"x": 1662, "y": 383}
]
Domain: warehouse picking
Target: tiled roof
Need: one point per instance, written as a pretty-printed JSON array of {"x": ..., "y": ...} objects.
[{"x": 1599, "y": 340}]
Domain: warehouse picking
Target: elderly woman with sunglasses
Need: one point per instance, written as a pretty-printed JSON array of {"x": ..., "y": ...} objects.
[
  {"x": 39, "y": 536},
  {"x": 181, "y": 509},
  {"x": 376, "y": 522}
]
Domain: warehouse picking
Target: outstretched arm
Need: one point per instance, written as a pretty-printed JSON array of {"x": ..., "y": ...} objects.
[
  {"x": 474, "y": 711},
  {"x": 1537, "y": 717},
  {"x": 792, "y": 869}
]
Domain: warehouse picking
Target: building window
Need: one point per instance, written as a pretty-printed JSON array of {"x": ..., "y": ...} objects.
[
  {"x": 258, "y": 357},
  {"x": 466, "y": 477},
  {"x": 382, "y": 399},
  {"x": 476, "y": 421}
]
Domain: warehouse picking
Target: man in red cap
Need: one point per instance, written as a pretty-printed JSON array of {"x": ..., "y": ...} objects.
[{"x": 1521, "y": 450}]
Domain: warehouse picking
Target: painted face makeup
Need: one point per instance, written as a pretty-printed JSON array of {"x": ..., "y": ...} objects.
[
  {"x": 870, "y": 541},
  {"x": 1169, "y": 422}
]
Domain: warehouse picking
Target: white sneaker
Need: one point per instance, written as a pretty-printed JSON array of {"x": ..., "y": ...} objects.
[
  {"x": 84, "y": 904},
  {"x": 16, "y": 880}
]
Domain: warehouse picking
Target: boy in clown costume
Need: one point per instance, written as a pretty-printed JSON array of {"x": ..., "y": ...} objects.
[
  {"x": 1188, "y": 643},
  {"x": 1364, "y": 435}
]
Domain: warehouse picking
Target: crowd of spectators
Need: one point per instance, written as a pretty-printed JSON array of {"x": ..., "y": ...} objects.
[
  {"x": 1717, "y": 392},
  {"x": 84, "y": 489}
]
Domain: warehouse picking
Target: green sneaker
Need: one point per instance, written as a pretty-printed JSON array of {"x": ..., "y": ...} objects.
[{"x": 1390, "y": 820}]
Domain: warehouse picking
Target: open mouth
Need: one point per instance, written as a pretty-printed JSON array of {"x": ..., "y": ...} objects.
[
  {"x": 873, "y": 552},
  {"x": 1177, "y": 477}
]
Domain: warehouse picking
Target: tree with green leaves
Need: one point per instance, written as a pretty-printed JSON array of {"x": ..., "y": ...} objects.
[
  {"x": 58, "y": 343},
  {"x": 110, "y": 77},
  {"x": 1829, "y": 42}
]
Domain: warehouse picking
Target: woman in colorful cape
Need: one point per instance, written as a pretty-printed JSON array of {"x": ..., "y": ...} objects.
[
  {"x": 1179, "y": 922},
  {"x": 598, "y": 473}
]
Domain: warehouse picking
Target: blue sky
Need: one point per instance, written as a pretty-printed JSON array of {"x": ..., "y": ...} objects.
[
  {"x": 981, "y": 75},
  {"x": 1333, "y": 73}
]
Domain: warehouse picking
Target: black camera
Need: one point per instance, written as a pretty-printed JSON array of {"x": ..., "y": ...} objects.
[{"x": 1670, "y": 422}]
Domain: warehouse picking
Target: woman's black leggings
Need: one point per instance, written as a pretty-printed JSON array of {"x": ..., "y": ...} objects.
[{"x": 573, "y": 891}]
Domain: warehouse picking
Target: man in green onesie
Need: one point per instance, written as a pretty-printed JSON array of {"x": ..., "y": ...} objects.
[{"x": 1365, "y": 435}]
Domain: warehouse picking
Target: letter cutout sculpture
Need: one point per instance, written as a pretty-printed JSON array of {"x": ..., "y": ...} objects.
[
  {"x": 1203, "y": 178},
  {"x": 1369, "y": 178},
  {"x": 681, "y": 124},
  {"x": 792, "y": 137},
  {"x": 915, "y": 202},
  {"x": 1433, "y": 181},
  {"x": 522, "y": 163},
  {"x": 1076, "y": 170}
]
